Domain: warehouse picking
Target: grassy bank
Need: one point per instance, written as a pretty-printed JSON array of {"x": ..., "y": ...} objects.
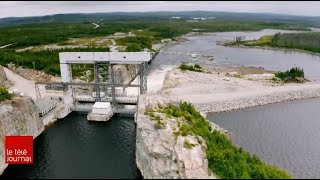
[
  {"x": 4, "y": 94},
  {"x": 225, "y": 159},
  {"x": 303, "y": 41},
  {"x": 191, "y": 67}
]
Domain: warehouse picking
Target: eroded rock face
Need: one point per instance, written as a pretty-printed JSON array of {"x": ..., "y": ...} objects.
[
  {"x": 18, "y": 117},
  {"x": 160, "y": 153},
  {"x": 124, "y": 73},
  {"x": 170, "y": 81},
  {"x": 3, "y": 78}
]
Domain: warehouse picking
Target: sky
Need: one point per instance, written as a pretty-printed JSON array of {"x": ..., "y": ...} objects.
[{"x": 39, "y": 8}]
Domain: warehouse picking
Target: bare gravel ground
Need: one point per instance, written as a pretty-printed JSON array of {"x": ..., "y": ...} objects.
[{"x": 217, "y": 92}]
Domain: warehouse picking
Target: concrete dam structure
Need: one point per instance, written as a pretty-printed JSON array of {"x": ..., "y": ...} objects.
[{"x": 108, "y": 96}]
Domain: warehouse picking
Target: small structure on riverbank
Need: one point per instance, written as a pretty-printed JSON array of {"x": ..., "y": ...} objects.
[{"x": 101, "y": 111}]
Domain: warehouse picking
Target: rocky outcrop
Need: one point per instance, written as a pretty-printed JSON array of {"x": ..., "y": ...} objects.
[
  {"x": 160, "y": 153},
  {"x": 124, "y": 73},
  {"x": 18, "y": 117},
  {"x": 170, "y": 81},
  {"x": 3, "y": 78},
  {"x": 31, "y": 74}
]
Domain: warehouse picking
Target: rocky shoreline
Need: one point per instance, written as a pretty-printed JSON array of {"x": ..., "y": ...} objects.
[
  {"x": 218, "y": 92},
  {"x": 260, "y": 99}
]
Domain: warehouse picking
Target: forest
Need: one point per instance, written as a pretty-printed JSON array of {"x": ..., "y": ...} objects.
[{"x": 304, "y": 41}]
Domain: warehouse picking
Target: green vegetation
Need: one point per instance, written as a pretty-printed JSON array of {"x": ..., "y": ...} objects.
[
  {"x": 263, "y": 41},
  {"x": 47, "y": 60},
  {"x": 155, "y": 116},
  {"x": 293, "y": 75},
  {"x": 4, "y": 94},
  {"x": 273, "y": 20},
  {"x": 159, "y": 124},
  {"x": 225, "y": 159},
  {"x": 135, "y": 44},
  {"x": 188, "y": 145},
  {"x": 196, "y": 67},
  {"x": 304, "y": 41},
  {"x": 79, "y": 70},
  {"x": 47, "y": 33},
  {"x": 199, "y": 140}
]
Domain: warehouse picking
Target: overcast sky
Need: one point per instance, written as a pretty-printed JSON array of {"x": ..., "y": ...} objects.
[{"x": 36, "y": 8}]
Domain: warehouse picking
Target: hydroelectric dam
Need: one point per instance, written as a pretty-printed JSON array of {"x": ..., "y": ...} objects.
[{"x": 101, "y": 98}]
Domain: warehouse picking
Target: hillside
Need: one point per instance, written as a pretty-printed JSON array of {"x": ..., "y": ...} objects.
[{"x": 116, "y": 16}]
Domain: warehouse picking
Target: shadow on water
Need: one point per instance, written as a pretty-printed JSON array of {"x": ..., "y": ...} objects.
[{"x": 76, "y": 148}]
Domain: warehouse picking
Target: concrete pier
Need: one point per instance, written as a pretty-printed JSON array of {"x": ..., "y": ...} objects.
[
  {"x": 59, "y": 112},
  {"x": 62, "y": 112},
  {"x": 101, "y": 111},
  {"x": 99, "y": 117}
]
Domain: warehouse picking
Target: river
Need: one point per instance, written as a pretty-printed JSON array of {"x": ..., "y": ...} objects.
[
  {"x": 284, "y": 134},
  {"x": 206, "y": 44},
  {"x": 75, "y": 148}
]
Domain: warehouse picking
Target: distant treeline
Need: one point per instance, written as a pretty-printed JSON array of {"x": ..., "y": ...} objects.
[
  {"x": 161, "y": 15},
  {"x": 304, "y": 41}
]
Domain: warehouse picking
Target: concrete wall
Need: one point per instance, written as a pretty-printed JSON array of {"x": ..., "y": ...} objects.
[{"x": 112, "y": 57}]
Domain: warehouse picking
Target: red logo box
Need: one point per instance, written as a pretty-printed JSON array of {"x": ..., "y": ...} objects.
[{"x": 19, "y": 149}]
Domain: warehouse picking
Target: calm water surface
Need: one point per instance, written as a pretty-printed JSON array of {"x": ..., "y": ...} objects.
[
  {"x": 285, "y": 134},
  {"x": 231, "y": 56},
  {"x": 76, "y": 148}
]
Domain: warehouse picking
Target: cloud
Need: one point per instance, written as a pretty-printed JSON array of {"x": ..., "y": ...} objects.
[{"x": 36, "y": 8}]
